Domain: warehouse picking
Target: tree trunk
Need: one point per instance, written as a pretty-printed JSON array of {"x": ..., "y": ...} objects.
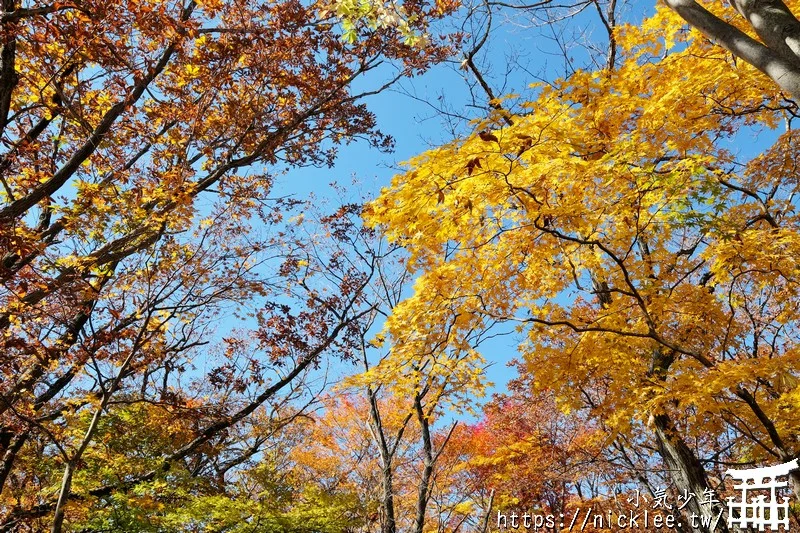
[
  {"x": 688, "y": 475},
  {"x": 389, "y": 522},
  {"x": 771, "y": 61},
  {"x": 8, "y": 72},
  {"x": 775, "y": 25},
  {"x": 427, "y": 468}
]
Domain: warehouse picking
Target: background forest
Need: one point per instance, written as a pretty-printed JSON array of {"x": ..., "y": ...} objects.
[{"x": 203, "y": 331}]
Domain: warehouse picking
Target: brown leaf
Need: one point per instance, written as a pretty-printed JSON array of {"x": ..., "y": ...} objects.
[
  {"x": 526, "y": 145},
  {"x": 472, "y": 164},
  {"x": 487, "y": 136}
]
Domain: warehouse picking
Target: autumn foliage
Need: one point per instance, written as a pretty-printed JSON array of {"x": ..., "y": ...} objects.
[
  {"x": 647, "y": 259},
  {"x": 140, "y": 142},
  {"x": 182, "y": 350}
]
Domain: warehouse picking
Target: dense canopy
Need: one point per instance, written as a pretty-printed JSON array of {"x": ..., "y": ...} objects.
[{"x": 184, "y": 350}]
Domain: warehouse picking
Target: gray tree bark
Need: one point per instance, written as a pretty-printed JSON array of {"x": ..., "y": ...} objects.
[
  {"x": 778, "y": 56},
  {"x": 688, "y": 475}
]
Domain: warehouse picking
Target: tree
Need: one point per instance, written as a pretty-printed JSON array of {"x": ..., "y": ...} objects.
[
  {"x": 775, "y": 47},
  {"x": 300, "y": 321},
  {"x": 527, "y": 455},
  {"x": 535, "y": 457},
  {"x": 141, "y": 144},
  {"x": 642, "y": 258},
  {"x": 385, "y": 418},
  {"x": 274, "y": 490}
]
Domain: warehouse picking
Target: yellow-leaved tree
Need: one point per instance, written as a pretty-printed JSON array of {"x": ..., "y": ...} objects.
[{"x": 648, "y": 260}]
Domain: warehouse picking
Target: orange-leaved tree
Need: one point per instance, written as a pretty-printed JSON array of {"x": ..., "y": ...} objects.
[{"x": 140, "y": 144}]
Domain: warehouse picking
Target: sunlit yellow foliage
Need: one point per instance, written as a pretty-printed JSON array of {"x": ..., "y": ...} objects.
[{"x": 623, "y": 223}]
